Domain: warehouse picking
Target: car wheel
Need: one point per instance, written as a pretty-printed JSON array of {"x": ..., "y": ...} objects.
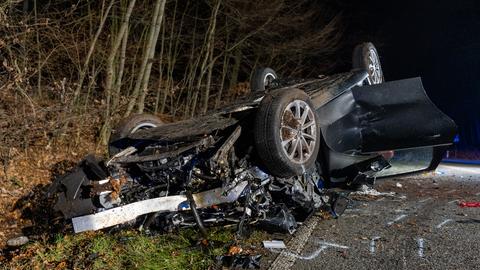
[
  {"x": 365, "y": 56},
  {"x": 262, "y": 78},
  {"x": 129, "y": 126},
  {"x": 287, "y": 133}
]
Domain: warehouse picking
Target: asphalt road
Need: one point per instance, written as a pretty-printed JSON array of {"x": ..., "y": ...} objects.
[{"x": 420, "y": 227}]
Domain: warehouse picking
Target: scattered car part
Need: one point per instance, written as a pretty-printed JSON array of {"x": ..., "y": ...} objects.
[
  {"x": 365, "y": 56},
  {"x": 240, "y": 261},
  {"x": 262, "y": 78},
  {"x": 274, "y": 244},
  {"x": 279, "y": 219},
  {"x": 126, "y": 213}
]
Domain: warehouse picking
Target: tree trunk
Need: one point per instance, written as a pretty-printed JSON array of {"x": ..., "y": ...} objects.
[
  {"x": 160, "y": 71},
  {"x": 236, "y": 68},
  {"x": 151, "y": 42},
  {"x": 83, "y": 71},
  {"x": 110, "y": 80},
  {"x": 146, "y": 77},
  {"x": 208, "y": 50}
]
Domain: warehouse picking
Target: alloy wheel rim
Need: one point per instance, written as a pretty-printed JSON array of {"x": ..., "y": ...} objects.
[
  {"x": 374, "y": 68},
  {"x": 298, "y": 131}
]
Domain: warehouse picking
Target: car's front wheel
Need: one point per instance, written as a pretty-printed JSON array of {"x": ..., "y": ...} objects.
[
  {"x": 262, "y": 78},
  {"x": 287, "y": 132},
  {"x": 129, "y": 126}
]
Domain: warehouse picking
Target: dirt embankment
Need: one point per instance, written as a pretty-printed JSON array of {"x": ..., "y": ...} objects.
[
  {"x": 25, "y": 183},
  {"x": 38, "y": 141}
]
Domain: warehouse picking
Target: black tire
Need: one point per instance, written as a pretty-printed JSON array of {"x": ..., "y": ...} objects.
[
  {"x": 268, "y": 135},
  {"x": 361, "y": 59},
  {"x": 128, "y": 126},
  {"x": 261, "y": 79}
]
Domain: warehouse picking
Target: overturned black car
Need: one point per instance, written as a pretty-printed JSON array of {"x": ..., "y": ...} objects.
[{"x": 271, "y": 158}]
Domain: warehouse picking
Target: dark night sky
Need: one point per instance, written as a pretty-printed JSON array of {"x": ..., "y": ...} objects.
[{"x": 437, "y": 40}]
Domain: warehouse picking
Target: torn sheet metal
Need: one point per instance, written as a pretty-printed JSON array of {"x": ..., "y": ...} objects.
[{"x": 125, "y": 213}]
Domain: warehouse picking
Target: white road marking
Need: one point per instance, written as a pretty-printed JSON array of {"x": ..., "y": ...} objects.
[
  {"x": 396, "y": 219},
  {"x": 425, "y": 200},
  {"x": 328, "y": 244},
  {"x": 421, "y": 247},
  {"x": 313, "y": 255},
  {"x": 443, "y": 223},
  {"x": 454, "y": 201},
  {"x": 372, "y": 244}
]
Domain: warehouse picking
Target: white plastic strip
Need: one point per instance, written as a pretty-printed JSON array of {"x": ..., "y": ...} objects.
[
  {"x": 274, "y": 244},
  {"x": 128, "y": 212}
]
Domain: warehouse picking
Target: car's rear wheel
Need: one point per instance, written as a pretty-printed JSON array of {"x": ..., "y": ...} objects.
[
  {"x": 365, "y": 56},
  {"x": 287, "y": 132},
  {"x": 128, "y": 126},
  {"x": 262, "y": 78}
]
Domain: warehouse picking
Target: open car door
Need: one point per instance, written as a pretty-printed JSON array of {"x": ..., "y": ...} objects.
[{"x": 393, "y": 116}]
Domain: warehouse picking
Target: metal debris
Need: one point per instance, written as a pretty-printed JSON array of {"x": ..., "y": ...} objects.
[
  {"x": 131, "y": 211},
  {"x": 274, "y": 244}
]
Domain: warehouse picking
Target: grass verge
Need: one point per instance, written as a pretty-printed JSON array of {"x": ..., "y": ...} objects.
[{"x": 130, "y": 250}]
